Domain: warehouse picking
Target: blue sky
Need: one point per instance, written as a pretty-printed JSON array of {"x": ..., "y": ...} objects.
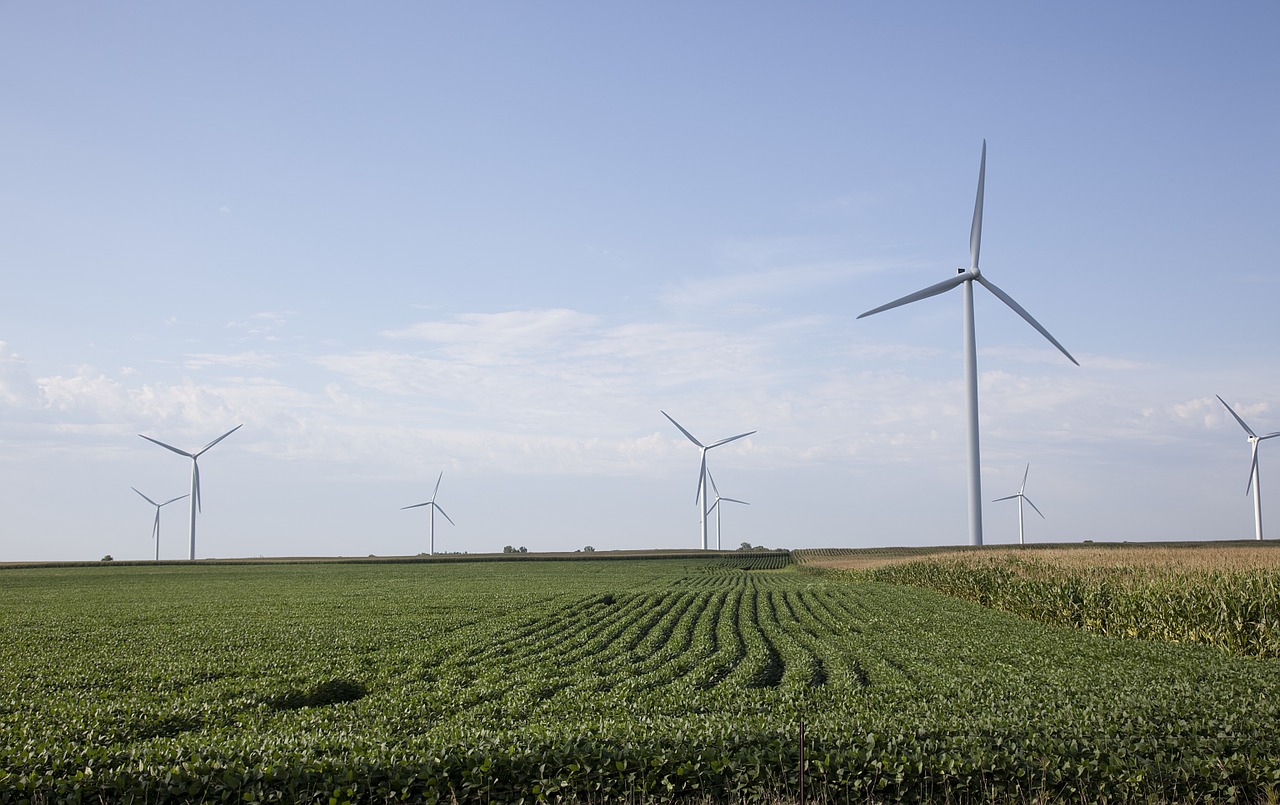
[{"x": 495, "y": 240}]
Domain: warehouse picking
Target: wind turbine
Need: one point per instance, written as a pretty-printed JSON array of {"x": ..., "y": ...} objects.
[
  {"x": 1254, "y": 439},
  {"x": 433, "y": 507},
  {"x": 715, "y": 506},
  {"x": 1021, "y": 496},
  {"x": 195, "y": 476},
  {"x": 702, "y": 473},
  {"x": 155, "y": 530},
  {"x": 966, "y": 277}
]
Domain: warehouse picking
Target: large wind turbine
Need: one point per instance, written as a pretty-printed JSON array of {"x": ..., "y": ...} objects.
[
  {"x": 432, "y": 506},
  {"x": 715, "y": 505},
  {"x": 966, "y": 277},
  {"x": 702, "y": 473},
  {"x": 1254, "y": 439},
  {"x": 195, "y": 476},
  {"x": 1021, "y": 496},
  {"x": 155, "y": 529}
]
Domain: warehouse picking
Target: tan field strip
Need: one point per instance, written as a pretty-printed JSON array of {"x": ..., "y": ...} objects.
[{"x": 1161, "y": 556}]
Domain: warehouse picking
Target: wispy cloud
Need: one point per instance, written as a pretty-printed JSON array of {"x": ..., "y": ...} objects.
[
  {"x": 766, "y": 284},
  {"x": 17, "y": 388},
  {"x": 240, "y": 360},
  {"x": 499, "y": 337},
  {"x": 266, "y": 325}
]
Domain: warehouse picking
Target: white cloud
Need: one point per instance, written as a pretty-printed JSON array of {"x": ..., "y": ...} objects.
[
  {"x": 265, "y": 325},
  {"x": 498, "y": 337},
  {"x": 240, "y": 360},
  {"x": 17, "y": 388},
  {"x": 768, "y": 283}
]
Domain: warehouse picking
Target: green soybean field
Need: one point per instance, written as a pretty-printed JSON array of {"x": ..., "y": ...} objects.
[{"x": 632, "y": 680}]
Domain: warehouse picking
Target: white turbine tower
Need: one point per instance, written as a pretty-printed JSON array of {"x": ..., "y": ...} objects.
[
  {"x": 1021, "y": 496},
  {"x": 433, "y": 507},
  {"x": 1254, "y": 439},
  {"x": 966, "y": 277},
  {"x": 702, "y": 473},
  {"x": 155, "y": 529},
  {"x": 195, "y": 476},
  {"x": 715, "y": 506}
]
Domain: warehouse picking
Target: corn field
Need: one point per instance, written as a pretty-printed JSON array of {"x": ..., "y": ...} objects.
[{"x": 1181, "y": 596}]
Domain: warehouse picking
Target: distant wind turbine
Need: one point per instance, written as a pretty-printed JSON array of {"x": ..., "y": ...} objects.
[
  {"x": 1254, "y": 439},
  {"x": 715, "y": 506},
  {"x": 433, "y": 507},
  {"x": 966, "y": 278},
  {"x": 195, "y": 476},
  {"x": 155, "y": 529},
  {"x": 1021, "y": 496},
  {"x": 702, "y": 473}
]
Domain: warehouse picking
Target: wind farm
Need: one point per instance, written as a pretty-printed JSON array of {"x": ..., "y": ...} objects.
[
  {"x": 548, "y": 249},
  {"x": 965, "y": 279},
  {"x": 155, "y": 527},
  {"x": 701, "y": 498},
  {"x": 195, "y": 479}
]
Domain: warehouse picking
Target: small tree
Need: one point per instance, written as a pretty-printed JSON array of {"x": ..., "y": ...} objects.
[
  {"x": 108, "y": 558},
  {"x": 508, "y": 549},
  {"x": 746, "y": 546},
  {"x": 523, "y": 549},
  {"x": 588, "y": 549}
]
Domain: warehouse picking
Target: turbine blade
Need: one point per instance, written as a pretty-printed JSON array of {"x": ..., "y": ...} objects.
[
  {"x": 195, "y": 470},
  {"x": 155, "y": 528},
  {"x": 220, "y": 438},
  {"x": 168, "y": 446},
  {"x": 1006, "y": 497},
  {"x": 714, "y": 488},
  {"x": 713, "y": 506},
  {"x": 174, "y": 500},
  {"x": 932, "y": 290},
  {"x": 415, "y": 506},
  {"x": 702, "y": 476},
  {"x": 1253, "y": 469},
  {"x": 1016, "y": 308},
  {"x": 682, "y": 430},
  {"x": 144, "y": 497},
  {"x": 436, "y": 491},
  {"x": 1269, "y": 436},
  {"x": 1247, "y": 429},
  {"x": 451, "y": 522},
  {"x": 975, "y": 232},
  {"x": 1025, "y": 473},
  {"x": 735, "y": 500},
  {"x": 730, "y": 439},
  {"x": 1032, "y": 505}
]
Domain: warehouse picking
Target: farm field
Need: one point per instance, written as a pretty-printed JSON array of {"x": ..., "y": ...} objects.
[
  {"x": 640, "y": 680},
  {"x": 1222, "y": 594}
]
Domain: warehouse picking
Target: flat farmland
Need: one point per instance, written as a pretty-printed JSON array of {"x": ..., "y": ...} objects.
[{"x": 640, "y": 680}]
